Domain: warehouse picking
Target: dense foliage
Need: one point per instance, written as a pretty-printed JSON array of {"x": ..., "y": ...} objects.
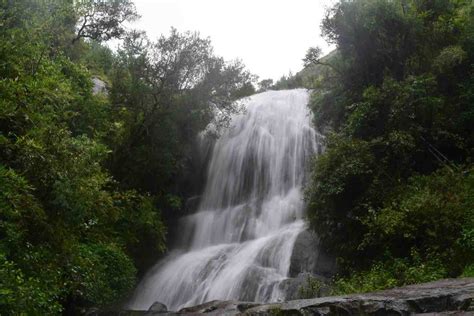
[
  {"x": 392, "y": 195},
  {"x": 88, "y": 179}
]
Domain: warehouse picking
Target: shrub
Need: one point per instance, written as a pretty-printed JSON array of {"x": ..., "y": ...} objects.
[
  {"x": 22, "y": 295},
  {"x": 389, "y": 274},
  {"x": 100, "y": 274},
  {"x": 311, "y": 289},
  {"x": 430, "y": 213}
]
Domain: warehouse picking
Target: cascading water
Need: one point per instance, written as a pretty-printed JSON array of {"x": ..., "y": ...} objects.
[{"x": 239, "y": 243}]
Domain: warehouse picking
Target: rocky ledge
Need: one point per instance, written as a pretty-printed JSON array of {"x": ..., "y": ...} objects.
[{"x": 448, "y": 297}]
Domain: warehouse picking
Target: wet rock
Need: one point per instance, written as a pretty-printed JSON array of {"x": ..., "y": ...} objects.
[
  {"x": 191, "y": 205},
  {"x": 450, "y": 295},
  {"x": 225, "y": 308},
  {"x": 444, "y": 297},
  {"x": 158, "y": 307},
  {"x": 309, "y": 256},
  {"x": 251, "y": 282}
]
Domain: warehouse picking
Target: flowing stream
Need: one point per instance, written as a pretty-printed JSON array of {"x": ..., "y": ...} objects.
[{"x": 238, "y": 245}]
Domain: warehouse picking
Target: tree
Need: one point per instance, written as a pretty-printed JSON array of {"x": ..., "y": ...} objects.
[
  {"x": 265, "y": 85},
  {"x": 103, "y": 20},
  {"x": 398, "y": 147},
  {"x": 313, "y": 58},
  {"x": 171, "y": 89},
  {"x": 69, "y": 233}
]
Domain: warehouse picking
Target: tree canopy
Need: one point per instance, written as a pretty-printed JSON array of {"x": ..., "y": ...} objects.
[
  {"x": 89, "y": 181},
  {"x": 396, "y": 103}
]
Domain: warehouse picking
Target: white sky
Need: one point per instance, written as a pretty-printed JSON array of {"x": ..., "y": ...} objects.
[{"x": 270, "y": 36}]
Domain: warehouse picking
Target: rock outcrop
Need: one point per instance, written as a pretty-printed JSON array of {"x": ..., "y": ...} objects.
[
  {"x": 158, "y": 307},
  {"x": 315, "y": 261},
  {"x": 99, "y": 86},
  {"x": 308, "y": 260},
  {"x": 444, "y": 297}
]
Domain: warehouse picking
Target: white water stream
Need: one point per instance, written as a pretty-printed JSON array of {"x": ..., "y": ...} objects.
[{"x": 239, "y": 243}]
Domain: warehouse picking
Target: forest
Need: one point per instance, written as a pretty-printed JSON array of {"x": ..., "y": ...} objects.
[
  {"x": 92, "y": 182},
  {"x": 393, "y": 194}
]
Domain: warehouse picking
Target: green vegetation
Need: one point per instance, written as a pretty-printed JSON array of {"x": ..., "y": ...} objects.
[
  {"x": 88, "y": 181},
  {"x": 311, "y": 289},
  {"x": 390, "y": 273},
  {"x": 392, "y": 195}
]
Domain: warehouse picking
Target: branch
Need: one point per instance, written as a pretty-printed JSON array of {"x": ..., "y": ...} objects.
[{"x": 79, "y": 33}]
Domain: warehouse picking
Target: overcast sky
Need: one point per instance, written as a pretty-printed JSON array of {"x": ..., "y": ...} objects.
[{"x": 269, "y": 36}]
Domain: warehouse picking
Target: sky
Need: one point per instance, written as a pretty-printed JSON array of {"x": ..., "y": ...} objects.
[{"x": 270, "y": 36}]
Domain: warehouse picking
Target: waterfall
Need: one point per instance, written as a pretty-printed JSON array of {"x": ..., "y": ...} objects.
[{"x": 239, "y": 243}]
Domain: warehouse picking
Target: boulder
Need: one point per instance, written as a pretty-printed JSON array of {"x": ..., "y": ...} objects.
[
  {"x": 158, "y": 307},
  {"x": 310, "y": 257},
  {"x": 99, "y": 86}
]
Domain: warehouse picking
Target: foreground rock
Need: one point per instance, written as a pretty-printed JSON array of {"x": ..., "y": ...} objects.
[
  {"x": 448, "y": 297},
  {"x": 158, "y": 307},
  {"x": 435, "y": 297}
]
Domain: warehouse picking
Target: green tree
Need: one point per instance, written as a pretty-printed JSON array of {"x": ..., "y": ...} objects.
[
  {"x": 395, "y": 106},
  {"x": 265, "y": 85},
  {"x": 68, "y": 232},
  {"x": 168, "y": 91},
  {"x": 103, "y": 20}
]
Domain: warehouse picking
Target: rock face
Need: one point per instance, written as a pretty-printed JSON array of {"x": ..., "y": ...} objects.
[
  {"x": 308, "y": 260},
  {"x": 309, "y": 256},
  {"x": 99, "y": 86},
  {"x": 435, "y": 297},
  {"x": 444, "y": 297}
]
